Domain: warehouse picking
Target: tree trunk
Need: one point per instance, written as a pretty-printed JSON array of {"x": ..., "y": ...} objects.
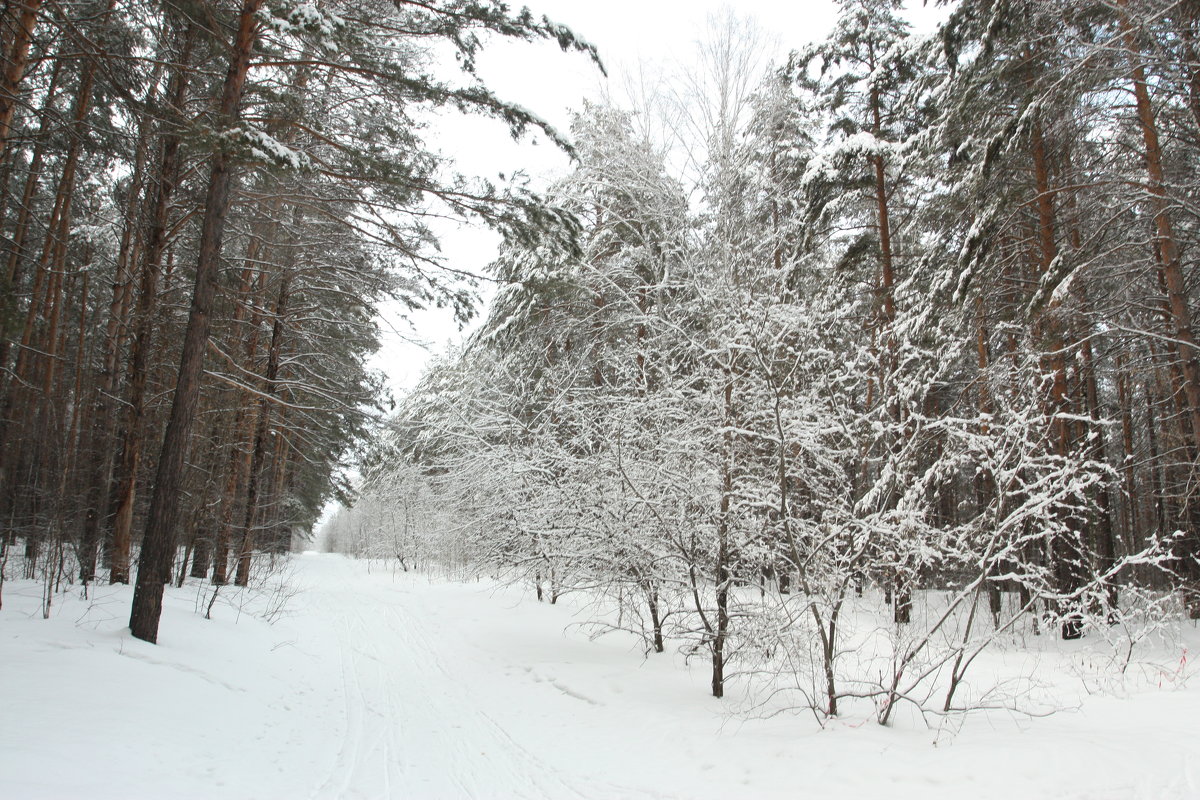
[
  {"x": 1066, "y": 549},
  {"x": 1171, "y": 270},
  {"x": 104, "y": 416},
  {"x": 15, "y": 62},
  {"x": 158, "y": 544},
  {"x": 138, "y": 372},
  {"x": 722, "y": 574},
  {"x": 655, "y": 615},
  {"x": 245, "y": 422},
  {"x": 260, "y": 436},
  {"x": 9, "y": 405}
]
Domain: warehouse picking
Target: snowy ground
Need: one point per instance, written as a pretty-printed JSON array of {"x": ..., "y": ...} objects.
[{"x": 382, "y": 686}]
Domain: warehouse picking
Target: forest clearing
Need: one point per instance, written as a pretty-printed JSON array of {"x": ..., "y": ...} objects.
[{"x": 378, "y": 683}]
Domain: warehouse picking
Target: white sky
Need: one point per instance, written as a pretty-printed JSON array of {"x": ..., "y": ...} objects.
[{"x": 636, "y": 38}]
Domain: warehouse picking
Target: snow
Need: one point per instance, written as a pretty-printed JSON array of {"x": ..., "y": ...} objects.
[
  {"x": 826, "y": 163},
  {"x": 303, "y": 17},
  {"x": 265, "y": 148},
  {"x": 375, "y": 684}
]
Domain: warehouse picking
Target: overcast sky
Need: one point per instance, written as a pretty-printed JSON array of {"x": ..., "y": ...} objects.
[{"x": 637, "y": 40}]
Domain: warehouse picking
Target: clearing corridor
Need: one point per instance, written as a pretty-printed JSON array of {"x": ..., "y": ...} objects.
[
  {"x": 429, "y": 691},
  {"x": 374, "y": 684}
]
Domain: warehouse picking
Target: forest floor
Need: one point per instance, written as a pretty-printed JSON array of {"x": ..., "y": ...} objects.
[{"x": 371, "y": 684}]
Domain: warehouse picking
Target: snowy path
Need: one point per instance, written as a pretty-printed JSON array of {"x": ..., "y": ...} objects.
[
  {"x": 387, "y": 687},
  {"x": 412, "y": 727}
]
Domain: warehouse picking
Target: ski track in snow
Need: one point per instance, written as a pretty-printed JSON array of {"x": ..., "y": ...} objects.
[{"x": 412, "y": 727}]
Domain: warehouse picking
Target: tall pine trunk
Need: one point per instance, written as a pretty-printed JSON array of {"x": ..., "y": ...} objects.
[
  {"x": 1187, "y": 363},
  {"x": 158, "y": 542},
  {"x": 138, "y": 373}
]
